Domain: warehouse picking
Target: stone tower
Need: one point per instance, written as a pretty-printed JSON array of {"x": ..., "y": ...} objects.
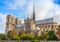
[
  {"x": 29, "y": 25},
  {"x": 10, "y": 23}
]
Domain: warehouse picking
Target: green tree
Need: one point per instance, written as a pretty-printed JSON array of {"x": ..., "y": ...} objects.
[
  {"x": 11, "y": 34},
  {"x": 43, "y": 36},
  {"x": 21, "y": 34},
  {"x": 2, "y": 36},
  {"x": 28, "y": 37},
  {"x": 16, "y": 38},
  {"x": 52, "y": 36}
]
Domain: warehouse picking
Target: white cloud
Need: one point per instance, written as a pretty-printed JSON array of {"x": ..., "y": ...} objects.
[
  {"x": 44, "y": 9},
  {"x": 57, "y": 9},
  {"x": 29, "y": 10},
  {"x": 2, "y": 22},
  {"x": 15, "y": 4},
  {"x": 41, "y": 8}
]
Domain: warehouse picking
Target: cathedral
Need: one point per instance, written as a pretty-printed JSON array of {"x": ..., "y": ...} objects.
[{"x": 30, "y": 25}]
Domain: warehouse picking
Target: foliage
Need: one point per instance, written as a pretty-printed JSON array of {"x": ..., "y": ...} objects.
[
  {"x": 11, "y": 34},
  {"x": 52, "y": 36},
  {"x": 28, "y": 37},
  {"x": 43, "y": 36},
  {"x": 16, "y": 38},
  {"x": 35, "y": 40},
  {"x": 46, "y": 35},
  {"x": 21, "y": 34},
  {"x": 2, "y": 36}
]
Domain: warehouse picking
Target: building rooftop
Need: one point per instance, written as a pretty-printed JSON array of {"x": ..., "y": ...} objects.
[
  {"x": 20, "y": 25},
  {"x": 44, "y": 21}
]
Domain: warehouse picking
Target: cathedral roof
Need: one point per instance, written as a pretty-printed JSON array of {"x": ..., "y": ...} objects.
[
  {"x": 44, "y": 21},
  {"x": 20, "y": 25}
]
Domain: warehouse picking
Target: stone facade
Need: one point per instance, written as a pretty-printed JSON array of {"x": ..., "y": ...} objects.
[
  {"x": 15, "y": 24},
  {"x": 11, "y": 22},
  {"x": 29, "y": 26},
  {"x": 48, "y": 26}
]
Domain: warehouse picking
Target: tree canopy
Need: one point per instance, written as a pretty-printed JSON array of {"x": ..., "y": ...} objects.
[
  {"x": 28, "y": 37},
  {"x": 52, "y": 36},
  {"x": 21, "y": 34},
  {"x": 11, "y": 34},
  {"x": 2, "y": 36}
]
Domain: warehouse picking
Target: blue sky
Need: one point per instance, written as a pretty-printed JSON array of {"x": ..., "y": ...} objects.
[{"x": 22, "y": 8}]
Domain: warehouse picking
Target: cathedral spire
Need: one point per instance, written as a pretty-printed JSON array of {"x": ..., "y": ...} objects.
[{"x": 33, "y": 13}]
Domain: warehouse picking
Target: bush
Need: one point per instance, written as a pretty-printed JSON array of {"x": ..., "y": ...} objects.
[
  {"x": 28, "y": 37},
  {"x": 16, "y": 38},
  {"x": 35, "y": 40}
]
